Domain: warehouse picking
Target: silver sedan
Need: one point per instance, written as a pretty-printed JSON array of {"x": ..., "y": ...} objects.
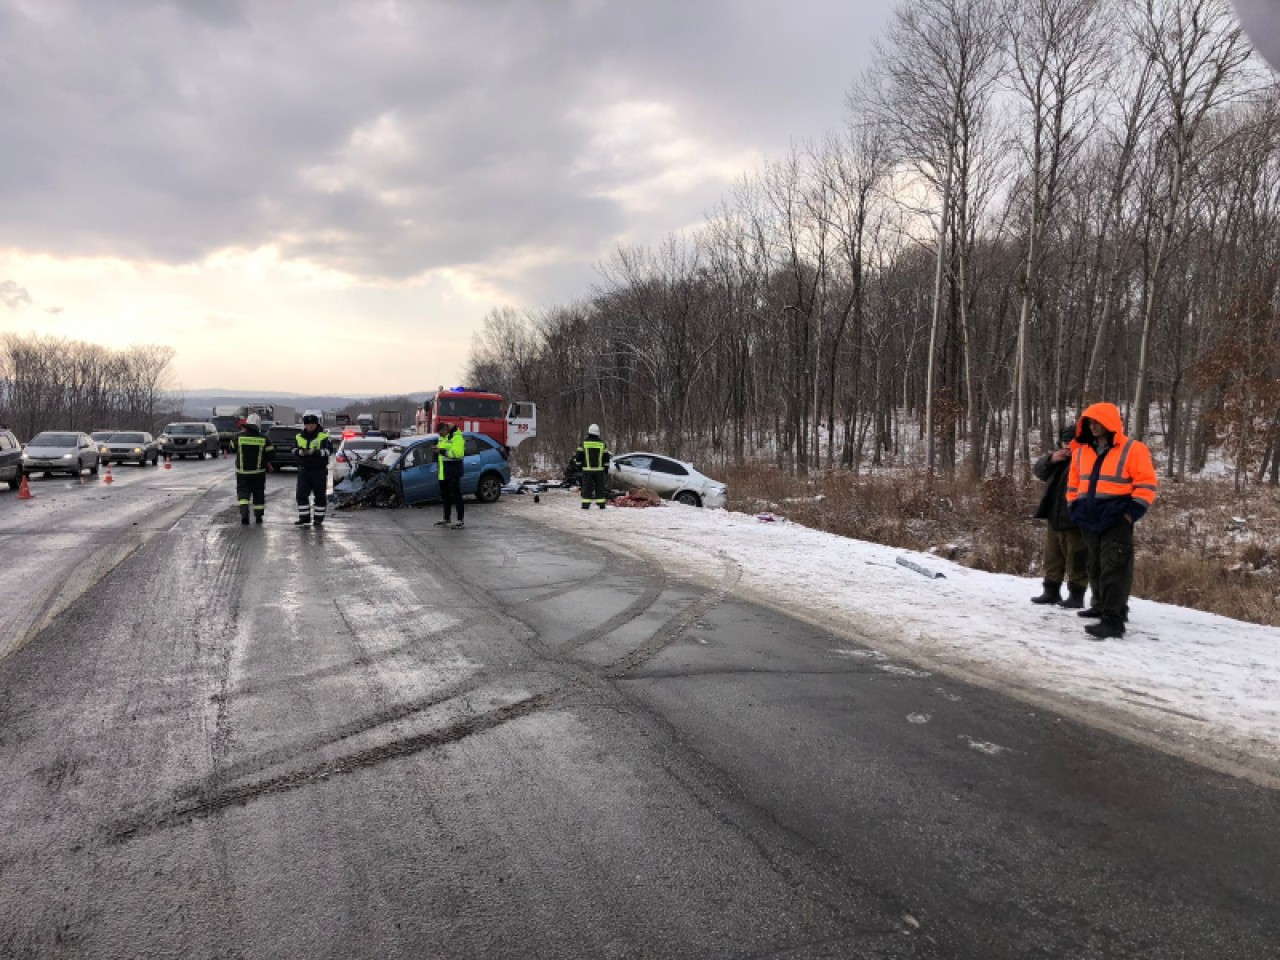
[
  {"x": 670, "y": 479},
  {"x": 60, "y": 452}
]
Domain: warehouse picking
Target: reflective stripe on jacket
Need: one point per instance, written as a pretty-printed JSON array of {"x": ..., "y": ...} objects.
[
  {"x": 451, "y": 449},
  {"x": 1121, "y": 481},
  {"x": 592, "y": 455},
  {"x": 315, "y": 448},
  {"x": 252, "y": 451}
]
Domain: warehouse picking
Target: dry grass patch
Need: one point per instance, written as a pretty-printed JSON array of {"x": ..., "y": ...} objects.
[{"x": 1202, "y": 546}]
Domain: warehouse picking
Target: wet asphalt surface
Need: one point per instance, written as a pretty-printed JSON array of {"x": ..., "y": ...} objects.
[{"x": 381, "y": 739}]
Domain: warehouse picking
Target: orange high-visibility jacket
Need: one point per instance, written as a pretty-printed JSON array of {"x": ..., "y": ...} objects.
[{"x": 1126, "y": 482}]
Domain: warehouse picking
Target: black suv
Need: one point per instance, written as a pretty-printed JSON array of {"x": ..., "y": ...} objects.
[
  {"x": 283, "y": 437},
  {"x": 190, "y": 439},
  {"x": 10, "y": 459}
]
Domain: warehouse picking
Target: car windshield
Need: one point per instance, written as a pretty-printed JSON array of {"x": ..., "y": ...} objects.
[
  {"x": 103, "y": 435},
  {"x": 55, "y": 440},
  {"x": 184, "y": 429},
  {"x": 225, "y": 423},
  {"x": 389, "y": 455},
  {"x": 451, "y": 406},
  {"x": 128, "y": 438}
]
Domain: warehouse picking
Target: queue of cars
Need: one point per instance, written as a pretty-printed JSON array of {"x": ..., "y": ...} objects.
[{"x": 73, "y": 452}]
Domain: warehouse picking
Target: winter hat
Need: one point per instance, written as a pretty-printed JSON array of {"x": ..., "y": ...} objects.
[
  {"x": 593, "y": 430},
  {"x": 1066, "y": 434}
]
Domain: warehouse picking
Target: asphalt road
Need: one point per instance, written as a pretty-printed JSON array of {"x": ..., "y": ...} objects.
[{"x": 381, "y": 739}]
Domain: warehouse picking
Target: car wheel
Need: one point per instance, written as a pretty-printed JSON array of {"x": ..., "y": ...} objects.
[
  {"x": 93, "y": 471},
  {"x": 15, "y": 482},
  {"x": 688, "y": 498},
  {"x": 489, "y": 489}
]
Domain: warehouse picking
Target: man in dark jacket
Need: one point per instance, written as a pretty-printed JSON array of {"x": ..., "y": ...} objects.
[
  {"x": 252, "y": 451},
  {"x": 313, "y": 449},
  {"x": 593, "y": 459},
  {"x": 1065, "y": 556}
]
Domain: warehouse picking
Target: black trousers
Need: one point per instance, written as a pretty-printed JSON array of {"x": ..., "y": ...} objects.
[
  {"x": 451, "y": 493},
  {"x": 251, "y": 488},
  {"x": 312, "y": 483},
  {"x": 593, "y": 488},
  {"x": 1111, "y": 570}
]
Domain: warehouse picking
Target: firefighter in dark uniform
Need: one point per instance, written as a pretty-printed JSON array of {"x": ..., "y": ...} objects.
[
  {"x": 252, "y": 452},
  {"x": 450, "y": 450},
  {"x": 593, "y": 457},
  {"x": 313, "y": 448}
]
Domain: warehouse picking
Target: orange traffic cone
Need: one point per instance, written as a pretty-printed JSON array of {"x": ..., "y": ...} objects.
[
  {"x": 168, "y": 462},
  {"x": 107, "y": 478},
  {"x": 24, "y": 489}
]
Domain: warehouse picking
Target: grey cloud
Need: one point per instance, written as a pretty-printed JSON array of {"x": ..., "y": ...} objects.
[
  {"x": 168, "y": 131},
  {"x": 14, "y": 296}
]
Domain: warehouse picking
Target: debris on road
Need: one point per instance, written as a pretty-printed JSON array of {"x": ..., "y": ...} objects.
[
  {"x": 920, "y": 569},
  {"x": 639, "y": 497}
]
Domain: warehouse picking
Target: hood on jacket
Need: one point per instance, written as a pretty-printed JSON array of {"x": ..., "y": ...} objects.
[{"x": 1107, "y": 414}]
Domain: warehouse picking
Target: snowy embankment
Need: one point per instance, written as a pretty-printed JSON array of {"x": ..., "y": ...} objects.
[{"x": 1193, "y": 683}]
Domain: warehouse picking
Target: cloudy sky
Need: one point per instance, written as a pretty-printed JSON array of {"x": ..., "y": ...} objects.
[{"x": 319, "y": 196}]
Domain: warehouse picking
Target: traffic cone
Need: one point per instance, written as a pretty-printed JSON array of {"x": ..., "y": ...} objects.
[
  {"x": 168, "y": 462},
  {"x": 107, "y": 478},
  {"x": 24, "y": 490}
]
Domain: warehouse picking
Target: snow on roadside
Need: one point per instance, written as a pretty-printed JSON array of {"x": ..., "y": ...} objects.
[{"x": 1185, "y": 676}]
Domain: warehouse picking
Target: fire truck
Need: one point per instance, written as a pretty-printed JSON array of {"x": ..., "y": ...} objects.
[{"x": 488, "y": 413}]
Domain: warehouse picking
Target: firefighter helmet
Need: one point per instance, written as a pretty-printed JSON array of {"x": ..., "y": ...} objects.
[{"x": 593, "y": 430}]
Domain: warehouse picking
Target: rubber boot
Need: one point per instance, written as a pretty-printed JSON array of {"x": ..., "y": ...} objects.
[
  {"x": 1052, "y": 593},
  {"x": 1075, "y": 597},
  {"x": 244, "y": 516}
]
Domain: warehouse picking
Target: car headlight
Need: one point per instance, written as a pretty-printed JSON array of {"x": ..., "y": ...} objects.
[
  {"x": 137, "y": 449},
  {"x": 102, "y": 449},
  {"x": 68, "y": 456}
]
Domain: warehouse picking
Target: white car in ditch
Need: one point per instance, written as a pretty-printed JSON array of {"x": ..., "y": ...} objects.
[{"x": 670, "y": 479}]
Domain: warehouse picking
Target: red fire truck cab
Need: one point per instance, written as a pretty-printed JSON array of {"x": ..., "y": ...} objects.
[{"x": 487, "y": 413}]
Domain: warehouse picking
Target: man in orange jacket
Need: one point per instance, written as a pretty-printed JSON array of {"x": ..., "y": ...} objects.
[{"x": 1111, "y": 485}]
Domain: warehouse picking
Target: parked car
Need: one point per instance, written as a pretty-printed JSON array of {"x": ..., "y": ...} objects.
[
  {"x": 139, "y": 448},
  {"x": 58, "y": 451},
  {"x": 189, "y": 439},
  {"x": 283, "y": 437},
  {"x": 352, "y": 449},
  {"x": 485, "y": 470},
  {"x": 10, "y": 459},
  {"x": 670, "y": 479}
]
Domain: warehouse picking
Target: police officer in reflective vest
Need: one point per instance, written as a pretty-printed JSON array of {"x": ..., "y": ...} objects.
[
  {"x": 313, "y": 448},
  {"x": 252, "y": 452},
  {"x": 450, "y": 450},
  {"x": 593, "y": 458}
]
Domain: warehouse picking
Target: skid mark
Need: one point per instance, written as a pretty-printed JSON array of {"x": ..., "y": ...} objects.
[
  {"x": 731, "y": 573},
  {"x": 221, "y": 798},
  {"x": 655, "y": 584}
]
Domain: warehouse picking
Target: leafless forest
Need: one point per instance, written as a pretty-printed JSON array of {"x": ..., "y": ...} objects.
[
  {"x": 1032, "y": 205},
  {"x": 49, "y": 383}
]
